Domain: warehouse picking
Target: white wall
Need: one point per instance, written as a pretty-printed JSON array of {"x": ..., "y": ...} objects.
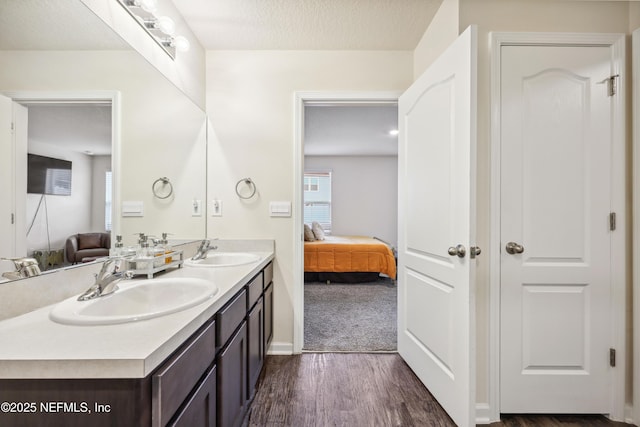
[
  {"x": 442, "y": 31},
  {"x": 250, "y": 102},
  {"x": 60, "y": 216},
  {"x": 364, "y": 194}
]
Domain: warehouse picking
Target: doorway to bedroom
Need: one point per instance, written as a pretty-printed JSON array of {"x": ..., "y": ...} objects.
[{"x": 350, "y": 185}]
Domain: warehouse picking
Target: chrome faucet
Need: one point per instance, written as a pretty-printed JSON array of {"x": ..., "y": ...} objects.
[
  {"x": 111, "y": 273},
  {"x": 203, "y": 250}
]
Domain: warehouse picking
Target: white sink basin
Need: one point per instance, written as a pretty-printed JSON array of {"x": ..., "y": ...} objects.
[
  {"x": 135, "y": 300},
  {"x": 223, "y": 259}
]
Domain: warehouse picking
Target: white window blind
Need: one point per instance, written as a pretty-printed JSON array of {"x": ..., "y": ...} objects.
[{"x": 317, "y": 199}]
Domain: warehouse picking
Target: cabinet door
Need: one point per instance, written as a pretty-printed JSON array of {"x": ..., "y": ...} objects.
[
  {"x": 232, "y": 380},
  {"x": 200, "y": 410},
  {"x": 268, "y": 316},
  {"x": 255, "y": 333}
]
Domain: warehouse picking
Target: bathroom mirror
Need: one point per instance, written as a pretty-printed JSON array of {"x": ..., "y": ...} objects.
[{"x": 58, "y": 51}]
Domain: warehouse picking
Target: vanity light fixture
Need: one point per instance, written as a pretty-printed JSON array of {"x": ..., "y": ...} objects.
[
  {"x": 160, "y": 28},
  {"x": 163, "y": 24},
  {"x": 181, "y": 44}
]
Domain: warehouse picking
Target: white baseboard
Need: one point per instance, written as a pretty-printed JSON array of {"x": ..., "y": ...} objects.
[
  {"x": 483, "y": 414},
  {"x": 280, "y": 349},
  {"x": 628, "y": 414}
]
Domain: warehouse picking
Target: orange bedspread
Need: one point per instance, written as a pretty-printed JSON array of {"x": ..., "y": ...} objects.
[{"x": 340, "y": 254}]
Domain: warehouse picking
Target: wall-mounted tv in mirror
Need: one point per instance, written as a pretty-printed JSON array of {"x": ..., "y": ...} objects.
[{"x": 46, "y": 175}]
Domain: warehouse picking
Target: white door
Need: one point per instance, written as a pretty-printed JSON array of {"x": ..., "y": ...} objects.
[
  {"x": 555, "y": 206},
  {"x": 436, "y": 303},
  {"x": 7, "y": 185}
]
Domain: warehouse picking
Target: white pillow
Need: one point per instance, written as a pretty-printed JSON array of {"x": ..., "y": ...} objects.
[
  {"x": 318, "y": 232},
  {"x": 308, "y": 234}
]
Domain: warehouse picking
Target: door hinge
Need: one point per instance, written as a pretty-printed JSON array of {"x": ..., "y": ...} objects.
[
  {"x": 13, "y": 219},
  {"x": 612, "y": 85},
  {"x": 13, "y": 127},
  {"x": 612, "y": 357},
  {"x": 612, "y": 221}
]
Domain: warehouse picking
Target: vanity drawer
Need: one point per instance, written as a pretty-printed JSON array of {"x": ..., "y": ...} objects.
[
  {"x": 229, "y": 318},
  {"x": 175, "y": 379},
  {"x": 254, "y": 290},
  {"x": 268, "y": 274}
]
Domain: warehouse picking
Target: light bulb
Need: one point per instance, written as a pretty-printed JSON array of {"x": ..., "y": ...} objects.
[
  {"x": 181, "y": 44},
  {"x": 166, "y": 25},
  {"x": 148, "y": 5}
]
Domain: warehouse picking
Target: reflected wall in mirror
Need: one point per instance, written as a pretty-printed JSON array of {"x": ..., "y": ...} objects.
[{"x": 60, "y": 49}]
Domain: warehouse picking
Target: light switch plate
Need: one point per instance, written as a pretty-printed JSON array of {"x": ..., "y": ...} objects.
[
  {"x": 280, "y": 209},
  {"x": 132, "y": 208}
]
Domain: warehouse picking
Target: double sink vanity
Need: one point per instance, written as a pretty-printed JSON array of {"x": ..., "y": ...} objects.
[{"x": 184, "y": 348}]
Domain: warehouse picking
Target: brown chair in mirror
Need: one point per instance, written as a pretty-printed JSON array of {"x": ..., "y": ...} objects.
[{"x": 86, "y": 247}]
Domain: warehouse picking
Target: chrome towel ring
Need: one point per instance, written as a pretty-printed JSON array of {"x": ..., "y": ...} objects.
[
  {"x": 249, "y": 183},
  {"x": 161, "y": 192}
]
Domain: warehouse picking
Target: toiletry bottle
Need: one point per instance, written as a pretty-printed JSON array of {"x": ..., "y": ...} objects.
[
  {"x": 167, "y": 249},
  {"x": 156, "y": 252},
  {"x": 116, "y": 251},
  {"x": 143, "y": 257}
]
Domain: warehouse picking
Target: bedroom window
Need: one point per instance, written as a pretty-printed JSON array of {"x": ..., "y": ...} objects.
[
  {"x": 311, "y": 183},
  {"x": 317, "y": 199}
]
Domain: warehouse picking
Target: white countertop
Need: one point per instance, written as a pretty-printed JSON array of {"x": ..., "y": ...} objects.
[{"x": 33, "y": 346}]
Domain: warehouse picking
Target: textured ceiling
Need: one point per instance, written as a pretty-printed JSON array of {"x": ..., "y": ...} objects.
[
  {"x": 350, "y": 130},
  {"x": 55, "y": 25},
  {"x": 309, "y": 24}
]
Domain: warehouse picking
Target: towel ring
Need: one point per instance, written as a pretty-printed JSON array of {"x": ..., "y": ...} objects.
[
  {"x": 249, "y": 182},
  {"x": 158, "y": 193}
]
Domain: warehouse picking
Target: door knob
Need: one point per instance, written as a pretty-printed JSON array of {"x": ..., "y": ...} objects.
[
  {"x": 458, "y": 250},
  {"x": 514, "y": 248}
]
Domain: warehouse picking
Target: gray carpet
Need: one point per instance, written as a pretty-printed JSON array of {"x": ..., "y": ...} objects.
[{"x": 350, "y": 317}]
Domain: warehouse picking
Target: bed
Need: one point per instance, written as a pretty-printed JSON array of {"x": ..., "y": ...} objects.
[{"x": 348, "y": 259}]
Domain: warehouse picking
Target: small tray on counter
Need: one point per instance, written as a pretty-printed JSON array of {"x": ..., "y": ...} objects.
[{"x": 156, "y": 264}]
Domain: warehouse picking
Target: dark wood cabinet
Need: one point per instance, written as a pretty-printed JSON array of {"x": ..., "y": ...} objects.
[
  {"x": 232, "y": 380},
  {"x": 173, "y": 382},
  {"x": 208, "y": 381},
  {"x": 256, "y": 350},
  {"x": 200, "y": 410},
  {"x": 268, "y": 316}
]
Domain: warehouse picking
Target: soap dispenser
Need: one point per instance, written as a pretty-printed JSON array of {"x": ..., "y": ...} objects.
[
  {"x": 117, "y": 250},
  {"x": 143, "y": 257},
  {"x": 164, "y": 243}
]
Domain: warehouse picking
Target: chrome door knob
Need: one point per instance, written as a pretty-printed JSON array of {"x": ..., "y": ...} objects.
[
  {"x": 458, "y": 250},
  {"x": 514, "y": 248}
]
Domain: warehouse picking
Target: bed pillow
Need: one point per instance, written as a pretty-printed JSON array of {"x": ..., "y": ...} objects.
[
  {"x": 318, "y": 232},
  {"x": 308, "y": 234}
]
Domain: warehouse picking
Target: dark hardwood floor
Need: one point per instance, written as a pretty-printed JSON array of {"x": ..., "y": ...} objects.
[{"x": 359, "y": 389}]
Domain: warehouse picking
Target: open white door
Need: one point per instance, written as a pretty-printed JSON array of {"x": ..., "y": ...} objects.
[
  {"x": 7, "y": 185},
  {"x": 436, "y": 296}
]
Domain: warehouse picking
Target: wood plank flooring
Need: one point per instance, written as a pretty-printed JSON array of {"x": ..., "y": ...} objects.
[{"x": 359, "y": 389}]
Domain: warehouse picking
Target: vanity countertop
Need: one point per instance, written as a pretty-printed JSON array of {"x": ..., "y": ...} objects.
[{"x": 33, "y": 346}]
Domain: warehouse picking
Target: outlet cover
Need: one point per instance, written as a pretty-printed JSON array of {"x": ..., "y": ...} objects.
[
  {"x": 216, "y": 207},
  {"x": 196, "y": 208}
]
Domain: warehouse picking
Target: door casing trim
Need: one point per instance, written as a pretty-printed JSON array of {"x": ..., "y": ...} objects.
[
  {"x": 619, "y": 261},
  {"x": 300, "y": 99}
]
